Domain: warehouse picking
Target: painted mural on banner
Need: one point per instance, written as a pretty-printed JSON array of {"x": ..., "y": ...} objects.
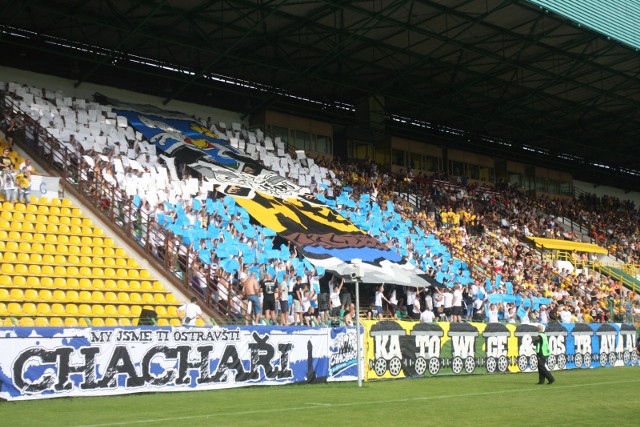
[
  {"x": 319, "y": 233},
  {"x": 343, "y": 354},
  {"x": 396, "y": 349},
  {"x": 38, "y": 363}
]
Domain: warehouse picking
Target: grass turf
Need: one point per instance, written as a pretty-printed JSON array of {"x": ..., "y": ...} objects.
[{"x": 594, "y": 397}]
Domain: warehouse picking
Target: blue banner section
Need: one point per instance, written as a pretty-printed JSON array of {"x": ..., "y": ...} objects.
[{"x": 171, "y": 134}]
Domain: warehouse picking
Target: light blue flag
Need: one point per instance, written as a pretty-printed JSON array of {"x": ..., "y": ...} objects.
[
  {"x": 137, "y": 201},
  {"x": 205, "y": 256},
  {"x": 320, "y": 270},
  {"x": 210, "y": 206},
  {"x": 267, "y": 232},
  {"x": 494, "y": 298},
  {"x": 280, "y": 276},
  {"x": 250, "y": 232},
  {"x": 498, "y": 280},
  {"x": 521, "y": 312},
  {"x": 249, "y": 258},
  {"x": 509, "y": 286},
  {"x": 197, "y": 205}
]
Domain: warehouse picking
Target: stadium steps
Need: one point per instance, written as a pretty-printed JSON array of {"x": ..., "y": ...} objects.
[{"x": 58, "y": 269}]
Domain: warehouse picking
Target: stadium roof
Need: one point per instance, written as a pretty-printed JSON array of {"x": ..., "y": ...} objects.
[{"x": 507, "y": 77}]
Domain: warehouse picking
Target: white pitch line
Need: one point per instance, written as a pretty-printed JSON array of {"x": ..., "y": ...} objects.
[{"x": 347, "y": 404}]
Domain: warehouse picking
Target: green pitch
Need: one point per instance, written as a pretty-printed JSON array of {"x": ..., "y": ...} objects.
[{"x": 597, "y": 397}]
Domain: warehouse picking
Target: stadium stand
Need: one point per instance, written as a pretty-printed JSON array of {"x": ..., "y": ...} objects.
[{"x": 457, "y": 232}]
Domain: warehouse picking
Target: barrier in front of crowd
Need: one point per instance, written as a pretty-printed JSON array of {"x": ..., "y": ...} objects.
[
  {"x": 38, "y": 363},
  {"x": 399, "y": 349}
]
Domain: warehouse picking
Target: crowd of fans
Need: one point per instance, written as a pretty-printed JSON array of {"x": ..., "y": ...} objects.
[{"x": 469, "y": 238}]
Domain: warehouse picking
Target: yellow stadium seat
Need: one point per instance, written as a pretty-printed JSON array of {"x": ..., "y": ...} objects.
[
  {"x": 135, "y": 297},
  {"x": 41, "y": 322},
  {"x": 50, "y": 248},
  {"x": 123, "y": 297},
  {"x": 3, "y": 309},
  {"x": 27, "y": 321},
  {"x": 76, "y": 222},
  {"x": 17, "y": 294},
  {"x": 73, "y": 283},
  {"x": 124, "y": 310},
  {"x": 109, "y": 262},
  {"x": 14, "y": 309},
  {"x": 161, "y": 311},
  {"x": 96, "y": 260},
  {"x": 47, "y": 270},
  {"x": 73, "y": 271},
  {"x": 51, "y": 229},
  {"x": 44, "y": 309},
  {"x": 46, "y": 282},
  {"x": 97, "y": 241},
  {"x": 5, "y": 295},
  {"x": 62, "y": 249},
  {"x": 14, "y": 235},
  {"x": 136, "y": 310},
  {"x": 35, "y": 258},
  {"x": 84, "y": 310},
  {"x": 7, "y": 268},
  {"x": 110, "y": 297},
  {"x": 157, "y": 286},
  {"x": 63, "y": 239},
  {"x": 123, "y": 285},
  {"x": 31, "y": 295},
  {"x": 25, "y": 238},
  {"x": 97, "y": 322},
  {"x": 57, "y": 309},
  {"x": 146, "y": 285},
  {"x": 109, "y": 252},
  {"x": 175, "y": 322},
  {"x": 85, "y": 296},
  {"x": 109, "y": 272},
  {"x": 74, "y": 249},
  {"x": 111, "y": 322},
  {"x": 5, "y": 280},
  {"x": 22, "y": 257},
  {"x": 123, "y": 321},
  {"x": 66, "y": 202},
  {"x": 73, "y": 259},
  {"x": 56, "y": 321},
  {"x": 19, "y": 281},
  {"x": 97, "y": 296},
  {"x": 110, "y": 310},
  {"x": 87, "y": 222},
  {"x": 97, "y": 310},
  {"x": 134, "y": 285},
  {"x": 72, "y": 309},
  {"x": 70, "y": 321},
  {"x": 85, "y": 283},
  {"x": 86, "y": 240},
  {"x": 172, "y": 311},
  {"x": 158, "y": 298},
  {"x": 43, "y": 209},
  {"x": 20, "y": 207},
  {"x": 85, "y": 271},
  {"x": 33, "y": 281},
  {"x": 65, "y": 221},
  {"x": 73, "y": 239},
  {"x": 110, "y": 284},
  {"x": 29, "y": 309},
  {"x": 83, "y": 322},
  {"x": 147, "y": 298},
  {"x": 122, "y": 273},
  {"x": 12, "y": 246},
  {"x": 60, "y": 270},
  {"x": 98, "y": 231},
  {"x": 73, "y": 296},
  {"x": 134, "y": 274},
  {"x": 121, "y": 262},
  {"x": 96, "y": 250},
  {"x": 21, "y": 269},
  {"x": 97, "y": 271},
  {"x": 98, "y": 284},
  {"x": 85, "y": 260},
  {"x": 7, "y": 216},
  {"x": 60, "y": 282},
  {"x": 7, "y": 322},
  {"x": 86, "y": 250},
  {"x": 53, "y": 219},
  {"x": 163, "y": 322},
  {"x": 16, "y": 225},
  {"x": 65, "y": 211}
]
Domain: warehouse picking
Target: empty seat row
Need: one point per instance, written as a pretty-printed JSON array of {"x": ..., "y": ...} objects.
[
  {"x": 45, "y": 226},
  {"x": 50, "y": 248},
  {"x": 86, "y": 309},
  {"x": 26, "y": 256},
  {"x": 15, "y": 234},
  {"x": 38, "y": 201},
  {"x": 8, "y": 268},
  {"x": 122, "y": 297},
  {"x": 71, "y": 283},
  {"x": 27, "y": 321},
  {"x": 33, "y": 212}
]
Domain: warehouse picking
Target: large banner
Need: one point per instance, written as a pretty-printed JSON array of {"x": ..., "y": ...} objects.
[
  {"x": 324, "y": 237},
  {"x": 38, "y": 363},
  {"x": 397, "y": 349}
]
